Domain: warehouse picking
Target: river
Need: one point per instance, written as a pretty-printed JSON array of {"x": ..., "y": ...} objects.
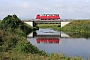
[{"x": 70, "y": 44}]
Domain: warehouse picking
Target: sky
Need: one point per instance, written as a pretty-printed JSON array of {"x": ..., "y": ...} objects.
[{"x": 28, "y": 9}]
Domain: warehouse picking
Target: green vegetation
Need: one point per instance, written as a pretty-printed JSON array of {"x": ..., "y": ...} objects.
[
  {"x": 53, "y": 26},
  {"x": 14, "y": 41},
  {"x": 81, "y": 26},
  {"x": 78, "y": 35},
  {"x": 78, "y": 26},
  {"x": 0, "y": 20},
  {"x": 15, "y": 46},
  {"x": 1, "y": 33}
]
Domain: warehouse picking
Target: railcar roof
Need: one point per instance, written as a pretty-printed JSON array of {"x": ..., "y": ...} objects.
[{"x": 49, "y": 14}]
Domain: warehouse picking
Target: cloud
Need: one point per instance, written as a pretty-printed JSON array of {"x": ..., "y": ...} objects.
[
  {"x": 87, "y": 1},
  {"x": 27, "y": 9}
]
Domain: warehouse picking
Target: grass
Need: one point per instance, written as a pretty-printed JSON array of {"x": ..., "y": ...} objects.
[
  {"x": 13, "y": 55},
  {"x": 0, "y": 20},
  {"x": 82, "y": 26},
  {"x": 15, "y": 46},
  {"x": 1, "y": 33},
  {"x": 53, "y": 26}
]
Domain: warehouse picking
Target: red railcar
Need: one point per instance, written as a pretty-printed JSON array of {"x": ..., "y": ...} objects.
[
  {"x": 48, "y": 17},
  {"x": 47, "y": 40}
]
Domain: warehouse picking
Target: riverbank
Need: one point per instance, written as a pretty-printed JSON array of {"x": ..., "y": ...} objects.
[
  {"x": 15, "y": 46},
  {"x": 81, "y": 26}
]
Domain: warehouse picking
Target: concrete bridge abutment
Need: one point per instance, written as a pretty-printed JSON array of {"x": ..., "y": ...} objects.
[{"x": 64, "y": 23}]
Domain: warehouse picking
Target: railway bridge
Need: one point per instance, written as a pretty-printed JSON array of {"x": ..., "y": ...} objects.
[{"x": 33, "y": 22}]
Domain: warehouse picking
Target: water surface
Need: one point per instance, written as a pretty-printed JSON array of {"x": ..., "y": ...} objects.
[{"x": 71, "y": 44}]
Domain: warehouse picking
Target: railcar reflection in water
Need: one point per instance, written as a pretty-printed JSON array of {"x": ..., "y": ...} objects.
[
  {"x": 71, "y": 44},
  {"x": 47, "y": 40}
]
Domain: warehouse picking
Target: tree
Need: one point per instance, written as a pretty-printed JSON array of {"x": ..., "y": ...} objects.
[{"x": 11, "y": 22}]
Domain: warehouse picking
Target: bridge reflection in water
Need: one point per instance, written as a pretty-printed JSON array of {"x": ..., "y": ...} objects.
[
  {"x": 47, "y": 38},
  {"x": 70, "y": 43},
  {"x": 34, "y": 34}
]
